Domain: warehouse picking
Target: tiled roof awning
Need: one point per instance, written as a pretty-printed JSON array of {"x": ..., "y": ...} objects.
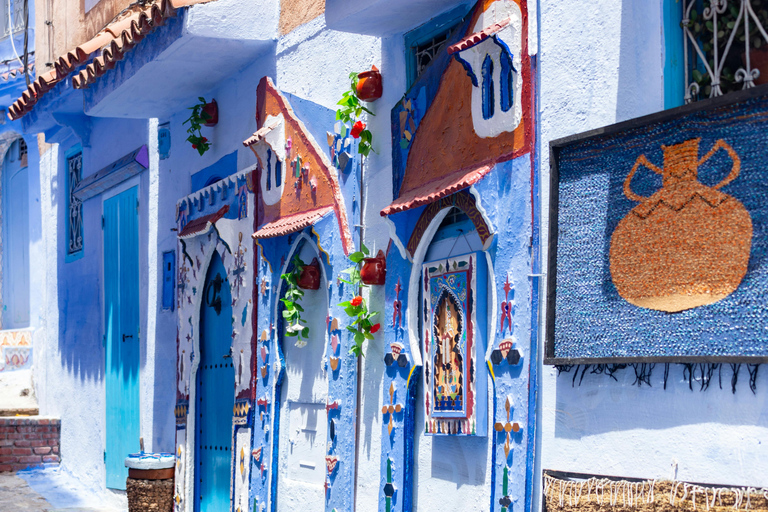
[
  {"x": 260, "y": 133},
  {"x": 437, "y": 189},
  {"x": 106, "y": 48},
  {"x": 291, "y": 224},
  {"x": 478, "y": 37},
  {"x": 202, "y": 224}
]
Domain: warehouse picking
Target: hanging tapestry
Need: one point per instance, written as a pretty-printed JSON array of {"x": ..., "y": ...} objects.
[
  {"x": 455, "y": 380},
  {"x": 659, "y": 239}
]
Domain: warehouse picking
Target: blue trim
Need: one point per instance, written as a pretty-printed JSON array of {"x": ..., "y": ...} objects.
[
  {"x": 507, "y": 81},
  {"x": 489, "y": 100},
  {"x": 409, "y": 424},
  {"x": 533, "y": 360},
  {"x": 674, "y": 74},
  {"x": 70, "y": 153},
  {"x": 423, "y": 33},
  {"x": 224, "y": 166}
]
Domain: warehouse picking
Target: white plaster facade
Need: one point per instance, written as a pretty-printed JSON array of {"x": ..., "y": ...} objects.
[{"x": 599, "y": 62}]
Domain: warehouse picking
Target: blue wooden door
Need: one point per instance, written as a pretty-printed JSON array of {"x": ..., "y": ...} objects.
[
  {"x": 15, "y": 242},
  {"x": 215, "y": 393},
  {"x": 121, "y": 300}
]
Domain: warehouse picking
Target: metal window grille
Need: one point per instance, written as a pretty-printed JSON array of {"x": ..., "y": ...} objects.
[
  {"x": 17, "y": 17},
  {"x": 722, "y": 40},
  {"x": 426, "y": 52},
  {"x": 22, "y": 149},
  {"x": 75, "y": 218}
]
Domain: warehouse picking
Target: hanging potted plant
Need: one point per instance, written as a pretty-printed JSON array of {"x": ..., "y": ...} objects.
[
  {"x": 350, "y": 111},
  {"x": 374, "y": 270},
  {"x": 292, "y": 310},
  {"x": 357, "y": 309},
  {"x": 309, "y": 279},
  {"x": 369, "y": 85},
  {"x": 203, "y": 114}
]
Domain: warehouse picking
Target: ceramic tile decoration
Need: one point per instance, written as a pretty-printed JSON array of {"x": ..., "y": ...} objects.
[{"x": 660, "y": 238}]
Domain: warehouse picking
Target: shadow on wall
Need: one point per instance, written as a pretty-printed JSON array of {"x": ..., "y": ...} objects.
[
  {"x": 81, "y": 348},
  {"x": 601, "y": 405},
  {"x": 640, "y": 86}
]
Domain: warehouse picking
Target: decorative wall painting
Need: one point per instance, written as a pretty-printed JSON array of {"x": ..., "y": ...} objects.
[
  {"x": 454, "y": 345},
  {"x": 659, "y": 238}
]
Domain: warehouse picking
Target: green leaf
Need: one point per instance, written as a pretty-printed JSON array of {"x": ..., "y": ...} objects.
[
  {"x": 287, "y": 314},
  {"x": 356, "y": 257},
  {"x": 364, "y": 248},
  {"x": 359, "y": 338},
  {"x": 305, "y": 332}
]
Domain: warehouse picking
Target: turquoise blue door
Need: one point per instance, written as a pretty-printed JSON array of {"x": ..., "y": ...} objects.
[
  {"x": 215, "y": 393},
  {"x": 121, "y": 300}
]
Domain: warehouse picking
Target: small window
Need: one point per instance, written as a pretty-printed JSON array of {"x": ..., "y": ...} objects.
[
  {"x": 74, "y": 206},
  {"x": 705, "y": 46},
  {"x": 427, "y": 42}
]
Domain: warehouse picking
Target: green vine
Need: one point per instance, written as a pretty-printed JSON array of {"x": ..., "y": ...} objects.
[
  {"x": 196, "y": 121},
  {"x": 350, "y": 111},
  {"x": 362, "y": 327},
  {"x": 292, "y": 310}
]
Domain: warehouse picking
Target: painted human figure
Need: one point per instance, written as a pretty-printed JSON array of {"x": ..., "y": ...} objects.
[{"x": 448, "y": 359}]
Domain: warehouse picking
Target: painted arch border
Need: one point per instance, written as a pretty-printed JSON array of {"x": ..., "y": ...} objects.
[{"x": 279, "y": 367}]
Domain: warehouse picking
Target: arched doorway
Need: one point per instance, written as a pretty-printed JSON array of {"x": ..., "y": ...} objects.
[
  {"x": 215, "y": 393},
  {"x": 303, "y": 392},
  {"x": 15, "y": 247},
  {"x": 448, "y": 465}
]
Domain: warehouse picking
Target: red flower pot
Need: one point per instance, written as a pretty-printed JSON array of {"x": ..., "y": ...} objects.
[
  {"x": 374, "y": 270},
  {"x": 310, "y": 276},
  {"x": 369, "y": 85},
  {"x": 211, "y": 109}
]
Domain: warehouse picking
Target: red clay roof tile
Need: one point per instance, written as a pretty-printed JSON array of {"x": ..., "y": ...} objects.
[
  {"x": 114, "y": 41},
  {"x": 291, "y": 224},
  {"x": 430, "y": 192}
]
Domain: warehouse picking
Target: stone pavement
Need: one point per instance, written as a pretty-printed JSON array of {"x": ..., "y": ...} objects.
[{"x": 16, "y": 495}]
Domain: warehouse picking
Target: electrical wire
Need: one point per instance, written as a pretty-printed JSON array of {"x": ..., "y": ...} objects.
[
  {"x": 26, "y": 41},
  {"x": 10, "y": 29}
]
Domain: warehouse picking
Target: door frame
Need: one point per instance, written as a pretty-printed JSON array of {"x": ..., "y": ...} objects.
[
  {"x": 190, "y": 441},
  {"x": 118, "y": 189},
  {"x": 276, "y": 383}
]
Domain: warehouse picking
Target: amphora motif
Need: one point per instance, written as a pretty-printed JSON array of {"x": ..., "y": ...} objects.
[{"x": 687, "y": 245}]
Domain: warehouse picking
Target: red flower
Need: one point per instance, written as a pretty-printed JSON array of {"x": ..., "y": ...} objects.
[
  {"x": 357, "y": 129},
  {"x": 205, "y": 140},
  {"x": 356, "y": 301},
  {"x": 194, "y": 146},
  {"x": 375, "y": 327}
]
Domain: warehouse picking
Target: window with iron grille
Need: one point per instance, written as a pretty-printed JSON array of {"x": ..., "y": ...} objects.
[
  {"x": 425, "y": 43},
  {"x": 723, "y": 45},
  {"x": 16, "y": 22},
  {"x": 74, "y": 206}
]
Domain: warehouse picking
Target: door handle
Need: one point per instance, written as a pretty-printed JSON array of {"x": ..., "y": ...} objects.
[
  {"x": 228, "y": 355},
  {"x": 127, "y": 336}
]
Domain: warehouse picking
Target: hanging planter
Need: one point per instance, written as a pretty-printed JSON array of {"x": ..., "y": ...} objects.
[
  {"x": 210, "y": 113},
  {"x": 310, "y": 276},
  {"x": 203, "y": 114},
  {"x": 374, "y": 270},
  {"x": 369, "y": 85}
]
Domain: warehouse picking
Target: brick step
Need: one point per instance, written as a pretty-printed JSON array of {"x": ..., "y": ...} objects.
[{"x": 29, "y": 441}]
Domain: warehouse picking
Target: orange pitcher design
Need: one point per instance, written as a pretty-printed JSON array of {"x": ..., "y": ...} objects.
[{"x": 687, "y": 245}]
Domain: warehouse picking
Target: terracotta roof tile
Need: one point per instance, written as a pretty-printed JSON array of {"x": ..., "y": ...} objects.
[
  {"x": 430, "y": 192},
  {"x": 291, "y": 224},
  {"x": 261, "y": 132},
  {"x": 108, "y": 47},
  {"x": 15, "y": 73},
  {"x": 202, "y": 224},
  {"x": 478, "y": 37}
]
